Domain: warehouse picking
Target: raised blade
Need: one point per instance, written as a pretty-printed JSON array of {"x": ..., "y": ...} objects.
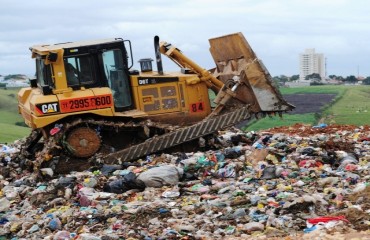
[{"x": 234, "y": 56}]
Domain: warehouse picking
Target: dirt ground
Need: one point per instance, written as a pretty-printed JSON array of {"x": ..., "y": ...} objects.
[
  {"x": 308, "y": 103},
  {"x": 304, "y": 130}
]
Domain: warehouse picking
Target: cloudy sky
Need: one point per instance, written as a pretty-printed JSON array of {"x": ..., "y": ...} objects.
[{"x": 277, "y": 30}]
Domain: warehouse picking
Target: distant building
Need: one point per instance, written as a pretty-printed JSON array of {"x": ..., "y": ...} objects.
[
  {"x": 311, "y": 62},
  {"x": 15, "y": 80},
  {"x": 17, "y": 83}
]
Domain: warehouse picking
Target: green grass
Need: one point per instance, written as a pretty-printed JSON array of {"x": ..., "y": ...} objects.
[
  {"x": 8, "y": 100},
  {"x": 352, "y": 108},
  {"x": 276, "y": 121},
  {"x": 335, "y": 89},
  {"x": 10, "y": 117},
  {"x": 9, "y": 132}
]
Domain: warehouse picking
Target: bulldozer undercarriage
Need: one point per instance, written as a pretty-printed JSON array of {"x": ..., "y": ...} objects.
[
  {"x": 85, "y": 140},
  {"x": 84, "y": 143}
]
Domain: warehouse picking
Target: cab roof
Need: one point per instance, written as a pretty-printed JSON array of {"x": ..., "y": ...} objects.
[{"x": 68, "y": 45}]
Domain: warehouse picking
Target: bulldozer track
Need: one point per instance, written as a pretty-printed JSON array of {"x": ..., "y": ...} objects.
[
  {"x": 179, "y": 136},
  {"x": 175, "y": 136}
]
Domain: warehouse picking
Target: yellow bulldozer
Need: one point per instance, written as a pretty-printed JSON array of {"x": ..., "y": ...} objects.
[{"x": 86, "y": 99}]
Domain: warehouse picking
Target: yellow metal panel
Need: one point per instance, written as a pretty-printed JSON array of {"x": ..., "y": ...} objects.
[
  {"x": 39, "y": 122},
  {"x": 149, "y": 99},
  {"x": 134, "y": 90},
  {"x": 26, "y": 114},
  {"x": 101, "y": 91},
  {"x": 23, "y": 94},
  {"x": 135, "y": 97},
  {"x": 159, "y": 98},
  {"x": 198, "y": 102},
  {"x": 183, "y": 100},
  {"x": 131, "y": 113},
  {"x": 60, "y": 76},
  {"x": 134, "y": 80},
  {"x": 53, "y": 47},
  {"x": 41, "y": 110},
  {"x": 79, "y": 93}
]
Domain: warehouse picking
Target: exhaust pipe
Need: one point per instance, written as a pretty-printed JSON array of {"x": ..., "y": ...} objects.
[{"x": 158, "y": 55}]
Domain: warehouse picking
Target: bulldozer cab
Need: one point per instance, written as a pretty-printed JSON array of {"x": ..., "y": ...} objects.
[
  {"x": 85, "y": 65},
  {"x": 117, "y": 77}
]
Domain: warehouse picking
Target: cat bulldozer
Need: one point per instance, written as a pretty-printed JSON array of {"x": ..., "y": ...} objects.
[{"x": 87, "y": 100}]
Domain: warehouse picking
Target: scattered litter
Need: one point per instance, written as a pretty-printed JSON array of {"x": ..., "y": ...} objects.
[{"x": 284, "y": 183}]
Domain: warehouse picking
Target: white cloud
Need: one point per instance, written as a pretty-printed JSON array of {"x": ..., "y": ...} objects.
[{"x": 277, "y": 30}]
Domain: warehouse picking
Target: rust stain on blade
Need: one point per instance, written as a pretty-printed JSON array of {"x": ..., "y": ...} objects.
[{"x": 234, "y": 56}]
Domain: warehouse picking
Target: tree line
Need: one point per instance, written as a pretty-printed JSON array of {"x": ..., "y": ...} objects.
[
  {"x": 315, "y": 77},
  {"x": 15, "y": 76}
]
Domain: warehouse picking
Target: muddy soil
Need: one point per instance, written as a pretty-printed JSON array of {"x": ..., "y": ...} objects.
[
  {"x": 305, "y": 130},
  {"x": 308, "y": 103}
]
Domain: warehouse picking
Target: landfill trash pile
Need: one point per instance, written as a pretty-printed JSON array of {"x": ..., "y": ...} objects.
[{"x": 298, "y": 182}]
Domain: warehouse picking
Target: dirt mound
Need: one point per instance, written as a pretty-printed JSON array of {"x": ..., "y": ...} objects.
[{"x": 305, "y": 130}]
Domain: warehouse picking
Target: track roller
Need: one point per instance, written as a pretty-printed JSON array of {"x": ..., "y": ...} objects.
[{"x": 82, "y": 142}]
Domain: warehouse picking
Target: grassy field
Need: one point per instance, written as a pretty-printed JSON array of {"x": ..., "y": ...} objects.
[
  {"x": 351, "y": 106},
  {"x": 9, "y": 116},
  {"x": 276, "y": 121},
  {"x": 336, "y": 89}
]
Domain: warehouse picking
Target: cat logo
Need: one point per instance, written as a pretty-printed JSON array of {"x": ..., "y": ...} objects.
[{"x": 47, "y": 108}]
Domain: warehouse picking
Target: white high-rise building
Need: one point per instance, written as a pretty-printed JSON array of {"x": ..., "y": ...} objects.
[{"x": 311, "y": 62}]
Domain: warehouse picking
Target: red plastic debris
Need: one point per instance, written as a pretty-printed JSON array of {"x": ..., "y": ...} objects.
[
  {"x": 327, "y": 219},
  {"x": 351, "y": 167},
  {"x": 56, "y": 129}
]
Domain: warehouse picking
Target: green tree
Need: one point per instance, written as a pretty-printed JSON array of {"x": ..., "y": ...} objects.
[
  {"x": 351, "y": 79},
  {"x": 294, "y": 77},
  {"x": 313, "y": 76},
  {"x": 340, "y": 78},
  {"x": 366, "y": 81},
  {"x": 332, "y": 76},
  {"x": 280, "y": 79},
  {"x": 284, "y": 78},
  {"x": 14, "y": 76}
]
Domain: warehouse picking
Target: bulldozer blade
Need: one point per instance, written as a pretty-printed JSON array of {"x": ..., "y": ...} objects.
[{"x": 234, "y": 57}]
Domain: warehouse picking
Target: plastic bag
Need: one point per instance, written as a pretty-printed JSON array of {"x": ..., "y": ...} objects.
[
  {"x": 161, "y": 176},
  {"x": 121, "y": 185}
]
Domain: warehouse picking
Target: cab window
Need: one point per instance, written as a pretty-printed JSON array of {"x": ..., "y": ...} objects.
[
  {"x": 79, "y": 70},
  {"x": 43, "y": 73},
  {"x": 117, "y": 77}
]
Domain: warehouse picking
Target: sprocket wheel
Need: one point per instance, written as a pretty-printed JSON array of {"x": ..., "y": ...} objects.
[{"x": 83, "y": 142}]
